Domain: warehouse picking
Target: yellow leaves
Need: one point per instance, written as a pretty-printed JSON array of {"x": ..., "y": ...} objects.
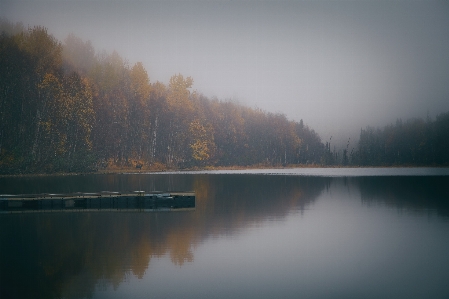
[
  {"x": 50, "y": 85},
  {"x": 67, "y": 113},
  {"x": 197, "y": 129},
  {"x": 44, "y": 48},
  {"x": 177, "y": 82},
  {"x": 158, "y": 90},
  {"x": 200, "y": 150},
  {"x": 178, "y": 97},
  {"x": 202, "y": 144},
  {"x": 109, "y": 73},
  {"x": 140, "y": 83}
]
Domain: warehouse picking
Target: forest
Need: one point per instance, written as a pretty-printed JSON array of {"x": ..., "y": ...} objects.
[{"x": 66, "y": 108}]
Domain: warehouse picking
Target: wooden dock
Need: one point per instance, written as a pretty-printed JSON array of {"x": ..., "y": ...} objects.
[{"x": 138, "y": 201}]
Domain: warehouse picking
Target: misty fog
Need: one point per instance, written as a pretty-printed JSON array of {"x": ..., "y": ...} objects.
[{"x": 337, "y": 65}]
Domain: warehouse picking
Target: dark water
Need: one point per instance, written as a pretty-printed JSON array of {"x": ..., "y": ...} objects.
[{"x": 250, "y": 236}]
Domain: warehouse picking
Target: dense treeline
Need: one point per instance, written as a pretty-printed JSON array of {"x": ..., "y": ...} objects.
[
  {"x": 413, "y": 142},
  {"x": 64, "y": 107}
]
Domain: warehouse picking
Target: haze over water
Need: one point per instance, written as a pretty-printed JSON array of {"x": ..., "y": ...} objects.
[{"x": 256, "y": 235}]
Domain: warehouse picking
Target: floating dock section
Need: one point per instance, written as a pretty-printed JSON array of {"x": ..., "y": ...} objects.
[{"x": 139, "y": 201}]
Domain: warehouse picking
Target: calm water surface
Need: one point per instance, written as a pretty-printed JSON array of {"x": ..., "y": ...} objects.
[{"x": 358, "y": 234}]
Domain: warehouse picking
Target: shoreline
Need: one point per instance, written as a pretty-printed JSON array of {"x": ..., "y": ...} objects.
[{"x": 128, "y": 170}]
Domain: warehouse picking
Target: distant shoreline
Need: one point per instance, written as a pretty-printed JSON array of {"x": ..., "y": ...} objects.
[{"x": 128, "y": 170}]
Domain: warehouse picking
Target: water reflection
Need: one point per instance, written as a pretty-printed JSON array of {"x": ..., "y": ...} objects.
[
  {"x": 419, "y": 194},
  {"x": 70, "y": 255}
]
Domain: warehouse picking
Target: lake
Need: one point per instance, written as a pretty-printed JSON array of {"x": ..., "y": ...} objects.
[{"x": 288, "y": 233}]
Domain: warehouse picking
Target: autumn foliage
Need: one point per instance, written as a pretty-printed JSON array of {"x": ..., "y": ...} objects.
[{"x": 66, "y": 108}]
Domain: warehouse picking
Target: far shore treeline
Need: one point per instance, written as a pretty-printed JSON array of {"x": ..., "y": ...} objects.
[{"x": 66, "y": 108}]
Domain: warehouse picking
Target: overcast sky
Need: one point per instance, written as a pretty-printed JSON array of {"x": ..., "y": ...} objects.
[{"x": 338, "y": 65}]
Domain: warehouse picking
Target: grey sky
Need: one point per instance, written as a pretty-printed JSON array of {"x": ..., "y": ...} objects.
[{"x": 339, "y": 65}]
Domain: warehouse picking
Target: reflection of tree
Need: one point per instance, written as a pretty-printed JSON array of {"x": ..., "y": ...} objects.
[
  {"x": 55, "y": 254},
  {"x": 72, "y": 254},
  {"x": 235, "y": 201},
  {"x": 140, "y": 257},
  {"x": 179, "y": 244},
  {"x": 420, "y": 194}
]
